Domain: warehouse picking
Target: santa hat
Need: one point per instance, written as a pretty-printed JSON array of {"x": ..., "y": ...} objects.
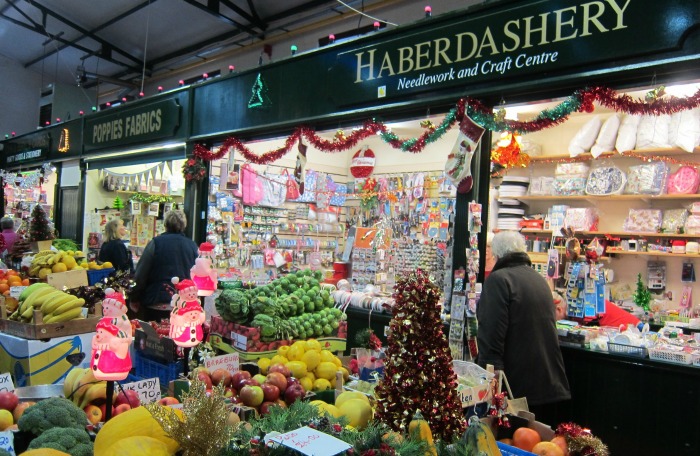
[
  {"x": 114, "y": 297},
  {"x": 206, "y": 247},
  {"x": 107, "y": 325},
  {"x": 190, "y": 306},
  {"x": 183, "y": 285}
]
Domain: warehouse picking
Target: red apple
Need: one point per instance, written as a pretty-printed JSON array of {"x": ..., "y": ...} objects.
[
  {"x": 237, "y": 379},
  {"x": 281, "y": 403},
  {"x": 236, "y": 399},
  {"x": 292, "y": 381},
  {"x": 221, "y": 376},
  {"x": 265, "y": 407},
  {"x": 260, "y": 378},
  {"x": 168, "y": 400},
  {"x": 8, "y": 400},
  {"x": 252, "y": 396},
  {"x": 251, "y": 382},
  {"x": 103, "y": 409},
  {"x": 282, "y": 369},
  {"x": 205, "y": 378},
  {"x": 130, "y": 397},
  {"x": 294, "y": 393},
  {"x": 121, "y": 409},
  {"x": 93, "y": 412},
  {"x": 278, "y": 379},
  {"x": 271, "y": 392}
]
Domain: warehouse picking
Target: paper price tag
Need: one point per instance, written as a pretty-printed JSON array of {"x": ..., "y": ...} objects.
[
  {"x": 229, "y": 361},
  {"x": 239, "y": 341},
  {"x": 312, "y": 442},
  {"x": 6, "y": 384},
  {"x": 147, "y": 389},
  {"x": 7, "y": 442},
  {"x": 16, "y": 291}
]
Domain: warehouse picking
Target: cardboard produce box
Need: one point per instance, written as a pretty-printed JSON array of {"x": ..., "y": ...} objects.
[
  {"x": 334, "y": 344},
  {"x": 155, "y": 346},
  {"x": 43, "y": 362}
]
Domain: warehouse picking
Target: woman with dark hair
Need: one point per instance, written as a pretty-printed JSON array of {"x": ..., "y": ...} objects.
[
  {"x": 168, "y": 255},
  {"x": 113, "y": 248}
]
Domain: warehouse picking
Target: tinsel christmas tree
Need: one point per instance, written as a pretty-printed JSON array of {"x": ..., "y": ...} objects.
[
  {"x": 418, "y": 371},
  {"x": 40, "y": 228},
  {"x": 642, "y": 296},
  {"x": 118, "y": 203}
]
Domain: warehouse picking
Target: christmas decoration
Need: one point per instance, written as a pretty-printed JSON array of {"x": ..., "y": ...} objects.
[
  {"x": 458, "y": 166},
  {"x": 642, "y": 295},
  {"x": 299, "y": 172},
  {"x": 40, "y": 227},
  {"x": 148, "y": 198},
  {"x": 367, "y": 339},
  {"x": 194, "y": 169},
  {"x": 362, "y": 163},
  {"x": 204, "y": 430},
  {"x": 508, "y": 154},
  {"x": 110, "y": 346},
  {"x": 202, "y": 274},
  {"x": 581, "y": 442},
  {"x": 187, "y": 316},
  {"x": 259, "y": 98},
  {"x": 118, "y": 203},
  {"x": 418, "y": 370},
  {"x": 369, "y": 194}
]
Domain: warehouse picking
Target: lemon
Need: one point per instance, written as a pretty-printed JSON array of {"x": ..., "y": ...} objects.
[
  {"x": 311, "y": 376},
  {"x": 332, "y": 410},
  {"x": 337, "y": 361},
  {"x": 278, "y": 359},
  {"x": 69, "y": 261},
  {"x": 346, "y": 373},
  {"x": 312, "y": 358},
  {"x": 301, "y": 344},
  {"x": 347, "y": 395},
  {"x": 326, "y": 370},
  {"x": 307, "y": 383},
  {"x": 295, "y": 353},
  {"x": 6, "y": 419},
  {"x": 321, "y": 384},
  {"x": 59, "y": 267},
  {"x": 327, "y": 356},
  {"x": 264, "y": 365},
  {"x": 107, "y": 265},
  {"x": 357, "y": 412},
  {"x": 283, "y": 350},
  {"x": 313, "y": 344},
  {"x": 297, "y": 368}
]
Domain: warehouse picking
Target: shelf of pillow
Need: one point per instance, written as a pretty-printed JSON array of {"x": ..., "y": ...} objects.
[
  {"x": 654, "y": 253},
  {"x": 625, "y": 234},
  {"x": 608, "y": 198},
  {"x": 668, "y": 151}
]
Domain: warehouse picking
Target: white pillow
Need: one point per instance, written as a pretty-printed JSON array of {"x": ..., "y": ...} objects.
[
  {"x": 652, "y": 132},
  {"x": 627, "y": 133},
  {"x": 607, "y": 136},
  {"x": 684, "y": 129},
  {"x": 585, "y": 137}
]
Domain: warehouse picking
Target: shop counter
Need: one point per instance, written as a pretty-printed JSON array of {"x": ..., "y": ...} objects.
[{"x": 636, "y": 406}]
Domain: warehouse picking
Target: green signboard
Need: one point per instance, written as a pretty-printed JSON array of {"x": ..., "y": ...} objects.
[
  {"x": 143, "y": 123},
  {"x": 515, "y": 41},
  {"x": 26, "y": 150}
]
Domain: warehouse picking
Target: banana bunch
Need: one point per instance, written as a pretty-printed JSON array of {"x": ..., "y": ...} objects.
[
  {"x": 45, "y": 259},
  {"x": 81, "y": 387},
  {"x": 56, "y": 306}
]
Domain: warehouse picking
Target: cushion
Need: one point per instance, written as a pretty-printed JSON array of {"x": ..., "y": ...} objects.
[
  {"x": 684, "y": 129},
  {"x": 585, "y": 137},
  {"x": 627, "y": 133},
  {"x": 607, "y": 136},
  {"x": 652, "y": 132}
]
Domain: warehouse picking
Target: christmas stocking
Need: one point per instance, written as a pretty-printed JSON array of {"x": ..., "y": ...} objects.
[
  {"x": 299, "y": 173},
  {"x": 458, "y": 166}
]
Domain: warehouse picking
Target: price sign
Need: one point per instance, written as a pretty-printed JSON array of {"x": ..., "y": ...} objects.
[
  {"x": 229, "y": 361},
  {"x": 16, "y": 291},
  {"x": 239, "y": 341},
  {"x": 147, "y": 389},
  {"x": 7, "y": 442},
  {"x": 6, "y": 384},
  {"x": 312, "y": 442}
]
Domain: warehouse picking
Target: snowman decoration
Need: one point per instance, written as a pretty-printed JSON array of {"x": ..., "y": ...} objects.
[
  {"x": 187, "y": 315},
  {"x": 110, "y": 359},
  {"x": 114, "y": 307},
  {"x": 202, "y": 273}
]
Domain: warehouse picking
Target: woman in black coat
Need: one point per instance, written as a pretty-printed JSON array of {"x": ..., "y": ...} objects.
[{"x": 113, "y": 248}]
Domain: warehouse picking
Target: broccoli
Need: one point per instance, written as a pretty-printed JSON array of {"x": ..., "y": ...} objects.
[
  {"x": 55, "y": 412},
  {"x": 75, "y": 442}
]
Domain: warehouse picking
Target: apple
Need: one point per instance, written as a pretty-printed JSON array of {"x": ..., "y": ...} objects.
[
  {"x": 236, "y": 399},
  {"x": 237, "y": 379},
  {"x": 292, "y": 381},
  {"x": 278, "y": 379},
  {"x": 265, "y": 407},
  {"x": 8, "y": 401},
  {"x": 281, "y": 403},
  {"x": 103, "y": 409},
  {"x": 250, "y": 382},
  {"x": 121, "y": 409},
  {"x": 282, "y": 369},
  {"x": 130, "y": 397},
  {"x": 93, "y": 412},
  {"x": 19, "y": 410},
  {"x": 252, "y": 396},
  {"x": 221, "y": 376},
  {"x": 260, "y": 378},
  {"x": 294, "y": 393},
  {"x": 205, "y": 378},
  {"x": 168, "y": 400},
  {"x": 270, "y": 391}
]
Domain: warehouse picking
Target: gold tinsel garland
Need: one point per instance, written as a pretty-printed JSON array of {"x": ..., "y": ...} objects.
[{"x": 204, "y": 431}]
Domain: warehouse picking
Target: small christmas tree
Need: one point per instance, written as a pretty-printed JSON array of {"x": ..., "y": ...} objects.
[
  {"x": 642, "y": 296},
  {"x": 118, "y": 203},
  {"x": 40, "y": 227},
  {"x": 418, "y": 372}
]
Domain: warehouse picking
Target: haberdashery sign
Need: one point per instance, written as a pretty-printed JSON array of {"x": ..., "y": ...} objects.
[
  {"x": 511, "y": 39},
  {"x": 142, "y": 123}
]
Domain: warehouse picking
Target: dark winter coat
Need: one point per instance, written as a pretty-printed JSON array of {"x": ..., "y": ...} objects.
[
  {"x": 166, "y": 256},
  {"x": 116, "y": 253},
  {"x": 517, "y": 331}
]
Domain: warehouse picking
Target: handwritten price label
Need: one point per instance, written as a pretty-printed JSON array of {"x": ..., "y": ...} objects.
[
  {"x": 229, "y": 361},
  {"x": 312, "y": 442},
  {"x": 7, "y": 442},
  {"x": 147, "y": 389},
  {"x": 6, "y": 384},
  {"x": 16, "y": 291}
]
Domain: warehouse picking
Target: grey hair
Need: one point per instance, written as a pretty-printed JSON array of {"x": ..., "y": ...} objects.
[
  {"x": 175, "y": 221},
  {"x": 506, "y": 242}
]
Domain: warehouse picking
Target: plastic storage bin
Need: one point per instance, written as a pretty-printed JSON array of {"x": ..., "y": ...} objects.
[
  {"x": 97, "y": 275},
  {"x": 148, "y": 368}
]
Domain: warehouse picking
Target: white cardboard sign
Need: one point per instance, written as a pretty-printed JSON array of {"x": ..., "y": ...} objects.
[
  {"x": 6, "y": 384},
  {"x": 312, "y": 442},
  {"x": 229, "y": 361},
  {"x": 7, "y": 442},
  {"x": 148, "y": 389}
]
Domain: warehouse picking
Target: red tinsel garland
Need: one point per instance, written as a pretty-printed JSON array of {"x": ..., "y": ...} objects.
[{"x": 581, "y": 100}]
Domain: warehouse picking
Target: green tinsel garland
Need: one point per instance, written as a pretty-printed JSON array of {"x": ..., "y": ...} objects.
[{"x": 148, "y": 198}]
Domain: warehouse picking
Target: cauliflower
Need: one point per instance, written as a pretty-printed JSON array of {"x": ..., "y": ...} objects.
[
  {"x": 75, "y": 442},
  {"x": 55, "y": 412}
]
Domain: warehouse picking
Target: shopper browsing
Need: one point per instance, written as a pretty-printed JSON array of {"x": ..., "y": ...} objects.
[
  {"x": 517, "y": 329},
  {"x": 8, "y": 232},
  {"x": 113, "y": 248},
  {"x": 168, "y": 255}
]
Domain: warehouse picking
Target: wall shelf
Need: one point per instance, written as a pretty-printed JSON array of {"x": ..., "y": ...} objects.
[
  {"x": 653, "y": 253},
  {"x": 587, "y": 156},
  {"x": 607, "y": 198},
  {"x": 615, "y": 233}
]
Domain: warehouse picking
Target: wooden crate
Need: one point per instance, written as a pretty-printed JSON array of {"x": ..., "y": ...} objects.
[{"x": 39, "y": 330}]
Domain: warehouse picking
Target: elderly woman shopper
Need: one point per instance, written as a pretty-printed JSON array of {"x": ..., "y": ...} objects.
[
  {"x": 517, "y": 329},
  {"x": 168, "y": 255}
]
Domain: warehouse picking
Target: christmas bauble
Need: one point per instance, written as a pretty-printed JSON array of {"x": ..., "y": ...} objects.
[{"x": 362, "y": 163}]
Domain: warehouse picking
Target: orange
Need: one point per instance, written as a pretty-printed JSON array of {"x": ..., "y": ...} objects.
[
  {"x": 25, "y": 282},
  {"x": 19, "y": 410},
  {"x": 560, "y": 441},
  {"x": 4, "y": 287},
  {"x": 506, "y": 441},
  {"x": 526, "y": 438},
  {"x": 12, "y": 272},
  {"x": 547, "y": 449},
  {"x": 6, "y": 293},
  {"x": 14, "y": 281},
  {"x": 3, "y": 280}
]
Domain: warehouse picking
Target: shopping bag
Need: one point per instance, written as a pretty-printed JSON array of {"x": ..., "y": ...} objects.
[{"x": 515, "y": 405}]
